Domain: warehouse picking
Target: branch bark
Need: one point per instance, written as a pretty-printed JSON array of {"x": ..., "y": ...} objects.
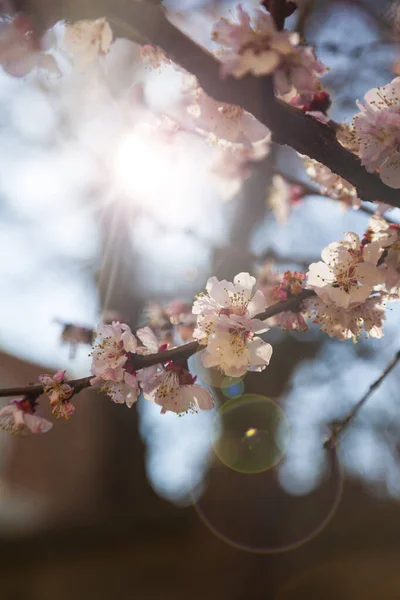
[
  {"x": 147, "y": 23},
  {"x": 138, "y": 361}
]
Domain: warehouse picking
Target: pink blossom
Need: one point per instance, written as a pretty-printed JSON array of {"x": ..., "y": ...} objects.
[
  {"x": 112, "y": 346},
  {"x": 20, "y": 50},
  {"x": 86, "y": 40},
  {"x": 251, "y": 49},
  {"x": 281, "y": 287},
  {"x": 226, "y": 325},
  {"x": 170, "y": 385},
  {"x": 377, "y": 131},
  {"x": 255, "y": 46},
  {"x": 110, "y": 354},
  {"x": 387, "y": 235},
  {"x": 347, "y": 324},
  {"x": 348, "y": 273},
  {"x": 19, "y": 418},
  {"x": 59, "y": 393}
]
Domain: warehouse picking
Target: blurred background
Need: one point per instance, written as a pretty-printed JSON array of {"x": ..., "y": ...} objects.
[{"x": 142, "y": 505}]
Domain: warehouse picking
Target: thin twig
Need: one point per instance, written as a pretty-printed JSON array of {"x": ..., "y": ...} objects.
[
  {"x": 339, "y": 427},
  {"x": 138, "y": 361}
]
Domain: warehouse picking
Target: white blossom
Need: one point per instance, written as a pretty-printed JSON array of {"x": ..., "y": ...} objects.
[
  {"x": 170, "y": 385},
  {"x": 255, "y": 46},
  {"x": 347, "y": 324},
  {"x": 226, "y": 325},
  {"x": 377, "y": 132},
  {"x": 348, "y": 273}
]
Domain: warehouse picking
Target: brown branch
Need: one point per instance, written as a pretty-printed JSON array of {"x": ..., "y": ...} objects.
[
  {"x": 339, "y": 427},
  {"x": 138, "y": 361},
  {"x": 312, "y": 190},
  {"x": 290, "y": 126}
]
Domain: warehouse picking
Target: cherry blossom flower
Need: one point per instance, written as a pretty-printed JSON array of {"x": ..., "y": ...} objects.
[
  {"x": 332, "y": 185},
  {"x": 281, "y": 287},
  {"x": 59, "y": 393},
  {"x": 377, "y": 131},
  {"x": 86, "y": 40},
  {"x": 20, "y": 50},
  {"x": 348, "y": 273},
  {"x": 260, "y": 49},
  {"x": 226, "y": 325},
  {"x": 347, "y": 324},
  {"x": 19, "y": 417},
  {"x": 109, "y": 362},
  {"x": 388, "y": 236},
  {"x": 170, "y": 385},
  {"x": 282, "y": 197},
  {"x": 257, "y": 50}
]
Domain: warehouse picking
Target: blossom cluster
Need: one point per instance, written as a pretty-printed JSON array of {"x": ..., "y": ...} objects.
[
  {"x": 254, "y": 45},
  {"x": 352, "y": 284},
  {"x": 344, "y": 294},
  {"x": 375, "y": 132}
]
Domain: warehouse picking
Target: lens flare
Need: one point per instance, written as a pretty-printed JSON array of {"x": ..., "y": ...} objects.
[
  {"x": 251, "y": 434},
  {"x": 232, "y": 387},
  {"x": 256, "y": 515}
]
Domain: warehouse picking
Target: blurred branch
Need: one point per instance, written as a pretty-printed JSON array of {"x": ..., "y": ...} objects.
[
  {"x": 138, "y": 361},
  {"x": 339, "y": 427},
  {"x": 289, "y": 126},
  {"x": 311, "y": 190}
]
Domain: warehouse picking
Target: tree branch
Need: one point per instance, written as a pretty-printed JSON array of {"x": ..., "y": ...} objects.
[
  {"x": 138, "y": 361},
  {"x": 147, "y": 22},
  {"x": 339, "y": 427}
]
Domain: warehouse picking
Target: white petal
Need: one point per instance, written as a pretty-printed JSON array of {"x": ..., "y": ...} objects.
[
  {"x": 257, "y": 304},
  {"x": 149, "y": 339},
  {"x": 202, "y": 397},
  {"x": 37, "y": 424},
  {"x": 390, "y": 172}
]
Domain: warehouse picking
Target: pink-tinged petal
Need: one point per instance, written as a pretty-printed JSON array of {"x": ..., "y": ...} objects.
[
  {"x": 339, "y": 297},
  {"x": 127, "y": 338},
  {"x": 246, "y": 281},
  {"x": 260, "y": 353},
  {"x": 19, "y": 419},
  {"x": 389, "y": 172},
  {"x": 372, "y": 252},
  {"x": 282, "y": 82},
  {"x": 59, "y": 376},
  {"x": 257, "y": 326},
  {"x": 211, "y": 282},
  {"x": 37, "y": 424},
  {"x": 202, "y": 397},
  {"x": 220, "y": 293},
  {"x": 132, "y": 395},
  {"x": 46, "y": 380},
  {"x": 257, "y": 304},
  {"x": 319, "y": 275},
  {"x": 369, "y": 274},
  {"x": 149, "y": 339},
  {"x": 209, "y": 360}
]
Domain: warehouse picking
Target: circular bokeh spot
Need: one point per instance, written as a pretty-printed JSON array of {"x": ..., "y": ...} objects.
[
  {"x": 232, "y": 387},
  {"x": 256, "y": 515},
  {"x": 251, "y": 434}
]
